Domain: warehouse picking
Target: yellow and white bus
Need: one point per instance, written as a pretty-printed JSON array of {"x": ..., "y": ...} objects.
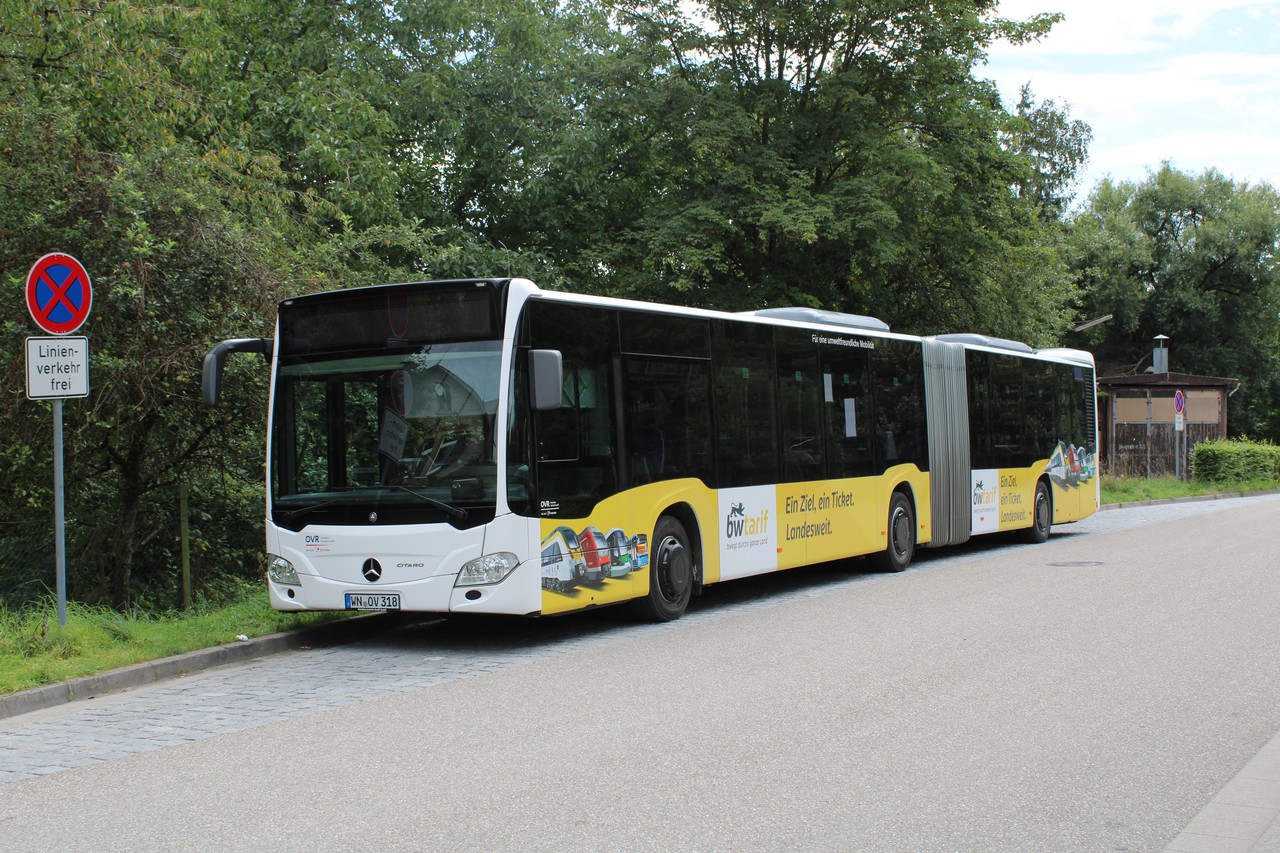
[{"x": 460, "y": 446}]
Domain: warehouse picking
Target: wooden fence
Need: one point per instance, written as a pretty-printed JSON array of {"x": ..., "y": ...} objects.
[{"x": 1132, "y": 455}]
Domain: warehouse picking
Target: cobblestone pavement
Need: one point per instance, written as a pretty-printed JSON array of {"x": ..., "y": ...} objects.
[{"x": 416, "y": 657}]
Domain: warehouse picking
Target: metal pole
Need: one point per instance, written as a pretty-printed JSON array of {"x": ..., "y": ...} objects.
[
  {"x": 59, "y": 516},
  {"x": 1177, "y": 451},
  {"x": 184, "y": 526},
  {"x": 1148, "y": 434}
]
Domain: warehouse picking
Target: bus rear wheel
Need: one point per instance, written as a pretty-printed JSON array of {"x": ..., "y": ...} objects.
[
  {"x": 1041, "y": 517},
  {"x": 901, "y": 546},
  {"x": 671, "y": 573}
]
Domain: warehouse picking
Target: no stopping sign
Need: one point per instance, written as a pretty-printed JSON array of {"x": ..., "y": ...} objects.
[{"x": 59, "y": 293}]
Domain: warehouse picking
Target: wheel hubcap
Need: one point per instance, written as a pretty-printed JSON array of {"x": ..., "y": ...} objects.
[
  {"x": 675, "y": 569},
  {"x": 900, "y": 531}
]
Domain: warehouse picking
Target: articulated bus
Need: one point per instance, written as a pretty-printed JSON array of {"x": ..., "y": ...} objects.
[{"x": 462, "y": 446}]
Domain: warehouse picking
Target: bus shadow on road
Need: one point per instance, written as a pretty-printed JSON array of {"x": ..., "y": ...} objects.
[{"x": 481, "y": 634}]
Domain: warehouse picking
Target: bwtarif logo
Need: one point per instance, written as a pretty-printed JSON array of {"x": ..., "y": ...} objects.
[{"x": 737, "y": 523}]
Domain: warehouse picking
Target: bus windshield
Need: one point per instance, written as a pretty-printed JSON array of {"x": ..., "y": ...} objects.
[{"x": 391, "y": 437}]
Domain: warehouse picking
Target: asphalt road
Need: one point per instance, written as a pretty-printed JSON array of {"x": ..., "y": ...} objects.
[{"x": 1092, "y": 693}]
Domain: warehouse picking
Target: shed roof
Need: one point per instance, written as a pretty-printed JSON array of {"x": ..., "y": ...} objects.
[{"x": 1148, "y": 380}]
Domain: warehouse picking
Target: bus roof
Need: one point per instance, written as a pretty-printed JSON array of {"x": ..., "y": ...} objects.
[{"x": 813, "y": 317}]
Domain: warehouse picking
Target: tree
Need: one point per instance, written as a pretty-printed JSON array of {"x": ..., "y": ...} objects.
[
  {"x": 1054, "y": 146},
  {"x": 1193, "y": 258},
  {"x": 131, "y": 141},
  {"x": 818, "y": 153},
  {"x": 95, "y": 109}
]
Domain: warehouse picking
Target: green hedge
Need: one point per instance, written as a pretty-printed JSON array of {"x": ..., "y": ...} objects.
[{"x": 1235, "y": 461}]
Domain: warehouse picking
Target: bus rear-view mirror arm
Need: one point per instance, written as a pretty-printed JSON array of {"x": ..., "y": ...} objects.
[
  {"x": 216, "y": 360},
  {"x": 546, "y": 375}
]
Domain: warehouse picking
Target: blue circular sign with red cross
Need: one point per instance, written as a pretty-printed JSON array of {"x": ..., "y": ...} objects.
[{"x": 59, "y": 294}]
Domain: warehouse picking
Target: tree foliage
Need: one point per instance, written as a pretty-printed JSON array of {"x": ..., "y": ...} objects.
[
  {"x": 1194, "y": 258},
  {"x": 123, "y": 147},
  {"x": 1055, "y": 148},
  {"x": 828, "y": 154}
]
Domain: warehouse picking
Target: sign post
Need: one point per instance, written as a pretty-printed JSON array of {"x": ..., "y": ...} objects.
[
  {"x": 59, "y": 298},
  {"x": 1180, "y": 431}
]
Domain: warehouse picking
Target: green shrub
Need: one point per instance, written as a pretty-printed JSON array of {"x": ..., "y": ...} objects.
[{"x": 1238, "y": 460}]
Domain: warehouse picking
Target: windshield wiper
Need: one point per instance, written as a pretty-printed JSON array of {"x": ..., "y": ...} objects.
[
  {"x": 295, "y": 514},
  {"x": 449, "y": 509}
]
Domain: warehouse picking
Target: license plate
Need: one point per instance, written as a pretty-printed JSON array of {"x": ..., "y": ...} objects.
[{"x": 373, "y": 601}]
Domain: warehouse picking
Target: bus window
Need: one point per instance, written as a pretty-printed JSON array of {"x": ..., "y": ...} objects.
[
  {"x": 668, "y": 418},
  {"x": 337, "y": 434},
  {"x": 846, "y": 396},
  {"x": 1040, "y": 396},
  {"x": 800, "y": 406},
  {"x": 520, "y": 438},
  {"x": 309, "y": 468},
  {"x": 663, "y": 334},
  {"x": 1081, "y": 406},
  {"x": 898, "y": 367},
  {"x": 576, "y": 463},
  {"x": 557, "y": 429},
  {"x": 745, "y": 409},
  {"x": 978, "y": 373},
  {"x": 1008, "y": 431}
]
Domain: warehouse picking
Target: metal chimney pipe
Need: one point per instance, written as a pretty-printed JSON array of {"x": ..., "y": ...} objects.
[{"x": 1160, "y": 355}]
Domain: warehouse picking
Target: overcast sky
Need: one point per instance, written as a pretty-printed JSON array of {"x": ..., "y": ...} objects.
[{"x": 1194, "y": 82}]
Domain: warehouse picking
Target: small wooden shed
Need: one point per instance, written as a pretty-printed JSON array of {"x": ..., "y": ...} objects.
[{"x": 1136, "y": 413}]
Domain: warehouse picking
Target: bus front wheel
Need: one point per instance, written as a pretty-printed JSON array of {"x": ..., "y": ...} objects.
[
  {"x": 902, "y": 536},
  {"x": 671, "y": 573}
]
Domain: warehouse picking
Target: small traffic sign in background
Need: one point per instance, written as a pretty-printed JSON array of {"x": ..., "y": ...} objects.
[{"x": 59, "y": 293}]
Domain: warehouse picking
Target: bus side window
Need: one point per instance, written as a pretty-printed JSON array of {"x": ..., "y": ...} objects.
[
  {"x": 519, "y": 439},
  {"x": 668, "y": 418},
  {"x": 978, "y": 376},
  {"x": 648, "y": 449},
  {"x": 800, "y": 387},
  {"x": 1008, "y": 430},
  {"x": 576, "y": 465},
  {"x": 1040, "y": 395},
  {"x": 745, "y": 404},
  {"x": 898, "y": 367},
  {"x": 846, "y": 400},
  {"x": 557, "y": 429}
]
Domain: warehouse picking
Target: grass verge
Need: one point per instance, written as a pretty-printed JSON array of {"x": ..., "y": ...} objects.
[
  {"x": 1117, "y": 490},
  {"x": 35, "y": 651}
]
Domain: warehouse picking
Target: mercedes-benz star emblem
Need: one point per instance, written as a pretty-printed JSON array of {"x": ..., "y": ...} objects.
[{"x": 372, "y": 570}]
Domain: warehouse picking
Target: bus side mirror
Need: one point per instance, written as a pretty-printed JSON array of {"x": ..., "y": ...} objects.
[
  {"x": 546, "y": 375},
  {"x": 216, "y": 360}
]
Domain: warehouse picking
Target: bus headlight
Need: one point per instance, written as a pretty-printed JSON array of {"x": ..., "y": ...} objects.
[
  {"x": 491, "y": 568},
  {"x": 282, "y": 571}
]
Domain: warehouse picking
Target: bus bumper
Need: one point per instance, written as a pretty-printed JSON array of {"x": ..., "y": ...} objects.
[{"x": 520, "y": 593}]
